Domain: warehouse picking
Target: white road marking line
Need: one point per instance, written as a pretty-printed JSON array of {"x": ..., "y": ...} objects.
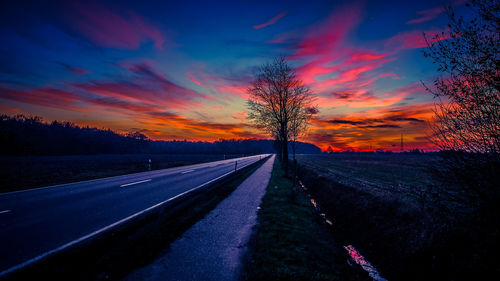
[
  {"x": 5, "y": 211},
  {"x": 189, "y": 171},
  {"x": 67, "y": 245},
  {"x": 132, "y": 183},
  {"x": 106, "y": 178}
]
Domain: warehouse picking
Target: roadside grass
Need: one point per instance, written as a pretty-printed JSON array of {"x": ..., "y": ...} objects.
[
  {"x": 23, "y": 172},
  {"x": 116, "y": 254},
  {"x": 289, "y": 242}
]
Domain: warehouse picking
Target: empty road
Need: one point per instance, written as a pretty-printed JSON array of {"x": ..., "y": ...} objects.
[
  {"x": 213, "y": 248},
  {"x": 37, "y": 221}
]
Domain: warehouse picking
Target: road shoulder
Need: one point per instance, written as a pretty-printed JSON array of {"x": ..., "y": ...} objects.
[{"x": 212, "y": 249}]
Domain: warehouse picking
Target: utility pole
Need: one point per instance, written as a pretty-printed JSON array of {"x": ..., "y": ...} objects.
[{"x": 402, "y": 144}]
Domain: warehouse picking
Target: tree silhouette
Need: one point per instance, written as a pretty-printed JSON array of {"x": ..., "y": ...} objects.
[
  {"x": 21, "y": 135},
  {"x": 278, "y": 102},
  {"x": 298, "y": 125},
  {"x": 467, "y": 114}
]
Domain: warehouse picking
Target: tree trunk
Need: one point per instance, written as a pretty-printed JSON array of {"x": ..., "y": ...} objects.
[
  {"x": 282, "y": 155},
  {"x": 285, "y": 153}
]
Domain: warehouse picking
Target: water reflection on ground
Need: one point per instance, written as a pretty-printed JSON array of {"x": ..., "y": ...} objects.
[{"x": 359, "y": 259}]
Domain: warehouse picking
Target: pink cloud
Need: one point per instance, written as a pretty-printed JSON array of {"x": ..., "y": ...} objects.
[
  {"x": 191, "y": 77},
  {"x": 49, "y": 97},
  {"x": 359, "y": 98},
  {"x": 240, "y": 116},
  {"x": 224, "y": 88},
  {"x": 74, "y": 69},
  {"x": 344, "y": 60},
  {"x": 351, "y": 74},
  {"x": 146, "y": 89},
  {"x": 329, "y": 58},
  {"x": 390, "y": 74},
  {"x": 72, "y": 100},
  {"x": 123, "y": 99},
  {"x": 323, "y": 38},
  {"x": 78, "y": 70},
  {"x": 412, "y": 39},
  {"x": 109, "y": 29},
  {"x": 426, "y": 15},
  {"x": 277, "y": 40},
  {"x": 429, "y": 14},
  {"x": 271, "y": 21},
  {"x": 143, "y": 91}
]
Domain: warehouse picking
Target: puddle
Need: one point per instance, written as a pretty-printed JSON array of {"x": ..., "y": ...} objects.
[{"x": 359, "y": 259}]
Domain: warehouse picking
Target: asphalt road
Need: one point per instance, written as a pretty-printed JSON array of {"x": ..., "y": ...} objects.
[
  {"x": 213, "y": 248},
  {"x": 38, "y": 221}
]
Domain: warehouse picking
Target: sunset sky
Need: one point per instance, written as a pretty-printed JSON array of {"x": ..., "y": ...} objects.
[{"x": 179, "y": 70}]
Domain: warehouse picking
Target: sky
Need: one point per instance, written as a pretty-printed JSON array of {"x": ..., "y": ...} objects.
[{"x": 180, "y": 69}]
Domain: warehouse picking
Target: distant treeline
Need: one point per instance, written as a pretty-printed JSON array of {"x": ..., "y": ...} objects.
[{"x": 21, "y": 135}]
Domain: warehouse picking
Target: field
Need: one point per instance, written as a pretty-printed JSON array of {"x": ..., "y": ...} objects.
[
  {"x": 404, "y": 173},
  {"x": 400, "y": 213},
  {"x": 22, "y": 172}
]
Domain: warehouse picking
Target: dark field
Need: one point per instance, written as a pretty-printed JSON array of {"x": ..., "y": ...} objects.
[
  {"x": 394, "y": 172},
  {"x": 22, "y": 172},
  {"x": 407, "y": 176},
  {"x": 400, "y": 213}
]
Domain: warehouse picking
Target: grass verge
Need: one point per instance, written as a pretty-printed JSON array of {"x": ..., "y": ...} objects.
[
  {"x": 116, "y": 254},
  {"x": 289, "y": 241}
]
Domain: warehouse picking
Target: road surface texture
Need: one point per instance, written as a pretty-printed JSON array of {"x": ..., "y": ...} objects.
[
  {"x": 212, "y": 249},
  {"x": 39, "y": 221}
]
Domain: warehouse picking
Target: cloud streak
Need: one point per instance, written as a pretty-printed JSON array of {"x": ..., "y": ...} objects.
[
  {"x": 271, "y": 21},
  {"x": 106, "y": 28},
  {"x": 375, "y": 128},
  {"x": 430, "y": 14}
]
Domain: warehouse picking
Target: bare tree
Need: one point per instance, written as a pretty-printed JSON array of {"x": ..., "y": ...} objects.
[
  {"x": 467, "y": 114},
  {"x": 299, "y": 124},
  {"x": 278, "y": 102}
]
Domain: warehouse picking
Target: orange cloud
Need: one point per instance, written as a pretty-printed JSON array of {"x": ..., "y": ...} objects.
[
  {"x": 172, "y": 126},
  {"x": 376, "y": 128}
]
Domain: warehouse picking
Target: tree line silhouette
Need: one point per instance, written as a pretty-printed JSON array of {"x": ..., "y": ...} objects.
[{"x": 23, "y": 135}]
